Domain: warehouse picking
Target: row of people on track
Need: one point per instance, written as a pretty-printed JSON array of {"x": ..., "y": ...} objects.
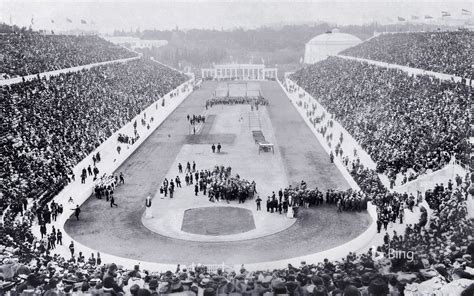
[{"x": 254, "y": 101}]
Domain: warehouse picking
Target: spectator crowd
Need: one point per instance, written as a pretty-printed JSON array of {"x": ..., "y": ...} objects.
[
  {"x": 25, "y": 53},
  {"x": 440, "y": 261},
  {"x": 443, "y": 52},
  {"x": 51, "y": 125},
  {"x": 403, "y": 122}
]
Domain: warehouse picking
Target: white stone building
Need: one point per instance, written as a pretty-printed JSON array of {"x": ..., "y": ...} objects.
[{"x": 327, "y": 44}]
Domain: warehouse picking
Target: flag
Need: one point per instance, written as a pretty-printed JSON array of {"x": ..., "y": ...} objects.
[
  {"x": 68, "y": 20},
  {"x": 52, "y": 21},
  {"x": 428, "y": 17},
  {"x": 401, "y": 19},
  {"x": 414, "y": 17},
  {"x": 83, "y": 22},
  {"x": 465, "y": 12},
  {"x": 445, "y": 13}
]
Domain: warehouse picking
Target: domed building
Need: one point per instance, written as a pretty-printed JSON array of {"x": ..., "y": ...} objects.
[{"x": 329, "y": 43}]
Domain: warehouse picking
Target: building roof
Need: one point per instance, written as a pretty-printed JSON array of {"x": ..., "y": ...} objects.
[{"x": 334, "y": 37}]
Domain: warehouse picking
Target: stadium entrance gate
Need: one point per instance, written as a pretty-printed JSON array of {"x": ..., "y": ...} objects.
[{"x": 239, "y": 72}]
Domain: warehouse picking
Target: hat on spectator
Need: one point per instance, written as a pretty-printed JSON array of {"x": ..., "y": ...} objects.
[
  {"x": 85, "y": 287},
  {"x": 93, "y": 282},
  {"x": 378, "y": 287},
  {"x": 209, "y": 292},
  {"x": 113, "y": 266},
  {"x": 204, "y": 282},
  {"x": 175, "y": 285},
  {"x": 316, "y": 280},
  {"x": 153, "y": 284},
  {"x": 326, "y": 279},
  {"x": 168, "y": 274},
  {"x": 320, "y": 290},
  {"x": 143, "y": 292},
  {"x": 278, "y": 286},
  {"x": 134, "y": 289},
  {"x": 291, "y": 286},
  {"x": 351, "y": 290}
]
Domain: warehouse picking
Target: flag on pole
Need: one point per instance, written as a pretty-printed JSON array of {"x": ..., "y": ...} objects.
[
  {"x": 414, "y": 17},
  {"x": 401, "y": 19},
  {"x": 68, "y": 20},
  {"x": 445, "y": 13},
  {"x": 465, "y": 12},
  {"x": 428, "y": 17},
  {"x": 83, "y": 22}
]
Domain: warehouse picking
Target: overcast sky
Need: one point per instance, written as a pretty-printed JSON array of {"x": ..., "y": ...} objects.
[{"x": 109, "y": 15}]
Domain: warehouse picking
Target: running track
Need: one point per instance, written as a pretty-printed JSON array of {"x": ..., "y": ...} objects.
[{"x": 119, "y": 231}]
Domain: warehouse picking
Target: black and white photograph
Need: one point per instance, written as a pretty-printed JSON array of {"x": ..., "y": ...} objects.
[{"x": 237, "y": 147}]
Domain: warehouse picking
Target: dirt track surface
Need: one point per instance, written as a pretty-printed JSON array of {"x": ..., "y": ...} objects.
[{"x": 119, "y": 231}]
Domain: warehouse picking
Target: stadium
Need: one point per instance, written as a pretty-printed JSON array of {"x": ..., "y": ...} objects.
[{"x": 151, "y": 162}]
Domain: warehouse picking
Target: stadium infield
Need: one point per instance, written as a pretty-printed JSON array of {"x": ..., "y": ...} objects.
[{"x": 120, "y": 231}]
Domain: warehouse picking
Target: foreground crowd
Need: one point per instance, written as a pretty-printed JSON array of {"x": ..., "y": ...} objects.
[
  {"x": 403, "y": 122},
  {"x": 443, "y": 52},
  {"x": 25, "y": 53},
  {"x": 440, "y": 260}
]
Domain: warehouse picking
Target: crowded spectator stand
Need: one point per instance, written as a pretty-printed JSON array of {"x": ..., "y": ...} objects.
[
  {"x": 442, "y": 246},
  {"x": 359, "y": 165},
  {"x": 109, "y": 158},
  {"x": 440, "y": 52},
  {"x": 75, "y": 129},
  {"x": 360, "y": 271},
  {"x": 368, "y": 126},
  {"x": 29, "y": 53}
]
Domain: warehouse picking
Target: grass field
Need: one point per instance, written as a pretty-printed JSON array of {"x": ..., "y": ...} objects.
[
  {"x": 298, "y": 156},
  {"x": 218, "y": 220}
]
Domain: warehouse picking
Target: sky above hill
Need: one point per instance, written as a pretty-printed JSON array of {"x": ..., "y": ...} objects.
[{"x": 106, "y": 15}]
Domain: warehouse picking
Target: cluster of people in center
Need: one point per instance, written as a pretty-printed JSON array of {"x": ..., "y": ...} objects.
[{"x": 217, "y": 184}]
